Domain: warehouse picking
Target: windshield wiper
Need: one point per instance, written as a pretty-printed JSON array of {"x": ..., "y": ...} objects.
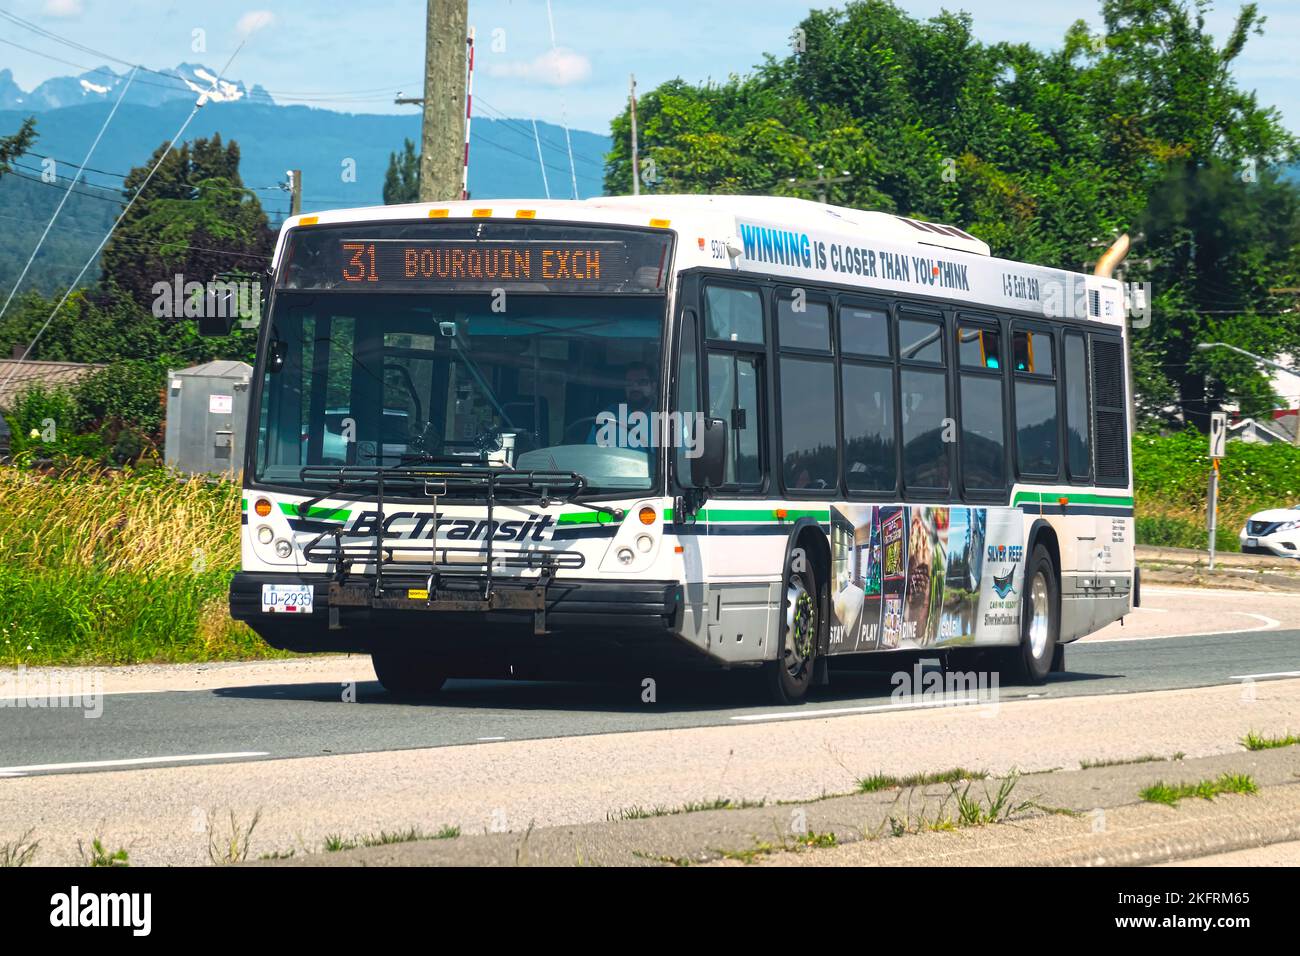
[{"x": 571, "y": 498}]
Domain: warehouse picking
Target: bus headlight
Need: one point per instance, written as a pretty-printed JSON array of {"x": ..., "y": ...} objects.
[
  {"x": 283, "y": 549},
  {"x": 644, "y": 543},
  {"x": 265, "y": 534},
  {"x": 625, "y": 555}
]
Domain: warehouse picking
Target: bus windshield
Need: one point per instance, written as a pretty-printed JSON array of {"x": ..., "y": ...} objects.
[{"x": 520, "y": 380}]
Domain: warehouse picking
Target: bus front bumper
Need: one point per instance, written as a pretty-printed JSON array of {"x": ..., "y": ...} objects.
[{"x": 352, "y": 617}]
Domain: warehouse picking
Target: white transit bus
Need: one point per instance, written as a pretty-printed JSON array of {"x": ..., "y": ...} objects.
[{"x": 555, "y": 439}]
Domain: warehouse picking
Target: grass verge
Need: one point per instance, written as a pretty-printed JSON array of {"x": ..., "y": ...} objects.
[
  {"x": 883, "y": 781},
  {"x": 1170, "y": 794},
  {"x": 118, "y": 568},
  {"x": 1254, "y": 741}
]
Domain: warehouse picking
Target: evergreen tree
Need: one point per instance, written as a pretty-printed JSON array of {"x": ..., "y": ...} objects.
[{"x": 402, "y": 181}]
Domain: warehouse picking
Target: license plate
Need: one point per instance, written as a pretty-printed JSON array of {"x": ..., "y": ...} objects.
[
  {"x": 286, "y": 599},
  {"x": 1252, "y": 542}
]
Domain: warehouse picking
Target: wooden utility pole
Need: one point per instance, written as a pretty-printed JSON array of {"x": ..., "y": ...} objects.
[
  {"x": 442, "y": 153},
  {"x": 295, "y": 191},
  {"x": 636, "y": 160}
]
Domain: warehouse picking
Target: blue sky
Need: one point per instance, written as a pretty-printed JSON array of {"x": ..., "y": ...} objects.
[{"x": 355, "y": 55}]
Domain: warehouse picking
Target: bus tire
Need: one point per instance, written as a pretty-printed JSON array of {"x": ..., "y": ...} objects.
[
  {"x": 404, "y": 673},
  {"x": 1040, "y": 619},
  {"x": 792, "y": 673}
]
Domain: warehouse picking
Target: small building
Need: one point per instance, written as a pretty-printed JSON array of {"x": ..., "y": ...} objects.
[
  {"x": 1278, "y": 427},
  {"x": 207, "y": 409},
  {"x": 17, "y": 376}
]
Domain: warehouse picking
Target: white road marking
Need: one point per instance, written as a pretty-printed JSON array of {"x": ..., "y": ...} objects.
[
  {"x": 875, "y": 708},
  {"x": 492, "y": 738},
  {"x": 133, "y": 762},
  {"x": 1268, "y": 625},
  {"x": 1258, "y": 676}
]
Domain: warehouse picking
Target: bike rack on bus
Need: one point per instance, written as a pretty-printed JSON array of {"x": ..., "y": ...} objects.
[{"x": 458, "y": 578}]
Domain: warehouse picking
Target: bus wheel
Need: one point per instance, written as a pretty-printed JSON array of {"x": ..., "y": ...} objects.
[
  {"x": 1040, "y": 619},
  {"x": 405, "y": 673},
  {"x": 791, "y": 674}
]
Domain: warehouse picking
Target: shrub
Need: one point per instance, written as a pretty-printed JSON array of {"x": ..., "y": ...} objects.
[
  {"x": 49, "y": 411},
  {"x": 1171, "y": 487}
]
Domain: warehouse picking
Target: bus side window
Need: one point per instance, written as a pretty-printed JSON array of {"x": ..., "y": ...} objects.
[
  {"x": 733, "y": 324},
  {"x": 1038, "y": 451},
  {"x": 923, "y": 386},
  {"x": 1077, "y": 431},
  {"x": 733, "y": 397},
  {"x": 809, "y": 448},
  {"x": 982, "y": 444}
]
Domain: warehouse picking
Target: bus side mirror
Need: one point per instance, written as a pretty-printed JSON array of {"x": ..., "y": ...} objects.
[
  {"x": 709, "y": 467},
  {"x": 213, "y": 326}
]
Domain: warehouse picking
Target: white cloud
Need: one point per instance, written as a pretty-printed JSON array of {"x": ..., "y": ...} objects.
[
  {"x": 558, "y": 67},
  {"x": 250, "y": 23},
  {"x": 62, "y": 8}
]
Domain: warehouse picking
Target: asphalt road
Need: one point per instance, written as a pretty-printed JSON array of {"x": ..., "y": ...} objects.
[{"x": 300, "y": 720}]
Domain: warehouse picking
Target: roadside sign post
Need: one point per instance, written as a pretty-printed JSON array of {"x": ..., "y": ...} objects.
[{"x": 1218, "y": 439}]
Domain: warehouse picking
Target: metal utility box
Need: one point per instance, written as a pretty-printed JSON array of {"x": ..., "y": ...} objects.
[{"x": 207, "y": 409}]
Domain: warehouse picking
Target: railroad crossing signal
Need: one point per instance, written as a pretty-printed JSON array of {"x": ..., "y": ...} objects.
[{"x": 1218, "y": 433}]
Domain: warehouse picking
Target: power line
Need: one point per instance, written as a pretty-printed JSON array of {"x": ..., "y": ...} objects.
[
  {"x": 122, "y": 215},
  {"x": 132, "y": 240},
  {"x": 64, "y": 162},
  {"x": 564, "y": 119},
  {"x": 44, "y": 174},
  {"x": 62, "y": 202},
  {"x": 517, "y": 126},
  {"x": 85, "y": 195}
]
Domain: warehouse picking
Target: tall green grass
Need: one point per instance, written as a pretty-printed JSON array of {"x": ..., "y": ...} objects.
[{"x": 117, "y": 567}]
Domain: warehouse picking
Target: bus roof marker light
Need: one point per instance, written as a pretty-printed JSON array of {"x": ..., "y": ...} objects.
[
  {"x": 439, "y": 213},
  {"x": 525, "y": 213},
  {"x": 660, "y": 223},
  {"x": 308, "y": 220},
  {"x": 482, "y": 213}
]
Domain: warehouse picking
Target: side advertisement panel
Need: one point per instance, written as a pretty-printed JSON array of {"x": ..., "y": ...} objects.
[{"x": 915, "y": 577}]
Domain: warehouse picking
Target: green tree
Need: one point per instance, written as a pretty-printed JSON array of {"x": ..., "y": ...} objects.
[
  {"x": 402, "y": 181},
  {"x": 194, "y": 219},
  {"x": 1046, "y": 155},
  {"x": 13, "y": 146}
]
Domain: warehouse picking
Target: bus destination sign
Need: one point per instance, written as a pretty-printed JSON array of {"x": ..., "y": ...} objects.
[
  {"x": 418, "y": 258},
  {"x": 432, "y": 261}
]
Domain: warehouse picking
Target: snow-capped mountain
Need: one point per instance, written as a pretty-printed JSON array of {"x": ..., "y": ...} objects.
[{"x": 187, "y": 81}]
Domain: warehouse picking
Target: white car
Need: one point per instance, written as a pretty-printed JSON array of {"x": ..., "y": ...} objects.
[{"x": 1275, "y": 532}]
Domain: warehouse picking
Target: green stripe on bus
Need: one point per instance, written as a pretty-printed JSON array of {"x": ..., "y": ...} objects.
[
  {"x": 746, "y": 515},
  {"x": 1072, "y": 498},
  {"x": 325, "y": 514},
  {"x": 585, "y": 517}
]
